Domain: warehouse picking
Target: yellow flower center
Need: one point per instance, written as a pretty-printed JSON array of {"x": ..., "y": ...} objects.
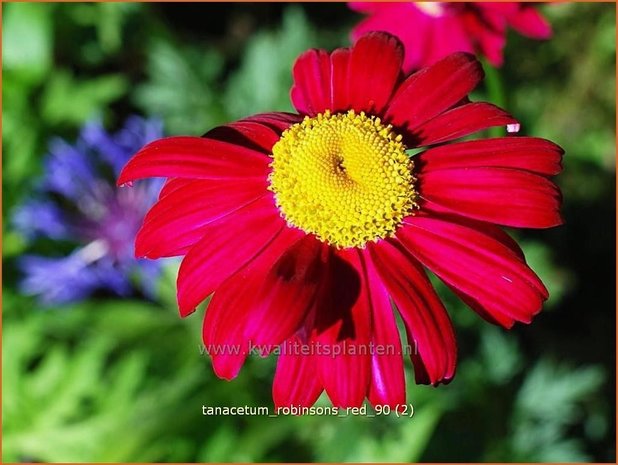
[{"x": 345, "y": 178}]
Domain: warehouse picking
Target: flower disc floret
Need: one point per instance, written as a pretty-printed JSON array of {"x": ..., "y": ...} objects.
[{"x": 344, "y": 177}]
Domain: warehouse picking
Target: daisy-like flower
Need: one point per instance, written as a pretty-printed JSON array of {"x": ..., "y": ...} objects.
[
  {"x": 306, "y": 226},
  {"x": 432, "y": 30},
  {"x": 77, "y": 203}
]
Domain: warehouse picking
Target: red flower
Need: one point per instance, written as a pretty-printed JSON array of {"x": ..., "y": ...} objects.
[
  {"x": 433, "y": 30},
  {"x": 305, "y": 227}
]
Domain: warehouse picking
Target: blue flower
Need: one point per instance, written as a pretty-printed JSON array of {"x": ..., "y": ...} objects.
[{"x": 76, "y": 201}]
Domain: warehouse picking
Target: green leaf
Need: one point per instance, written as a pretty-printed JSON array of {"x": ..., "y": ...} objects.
[
  {"x": 267, "y": 66},
  {"x": 405, "y": 441},
  {"x": 108, "y": 19},
  {"x": 500, "y": 354},
  {"x": 182, "y": 87},
  {"x": 548, "y": 403},
  {"x": 68, "y": 394},
  {"x": 67, "y": 100}
]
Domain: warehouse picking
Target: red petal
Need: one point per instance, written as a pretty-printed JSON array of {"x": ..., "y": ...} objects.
[
  {"x": 296, "y": 380},
  {"x": 172, "y": 184},
  {"x": 487, "y": 27},
  {"x": 222, "y": 329},
  {"x": 278, "y": 121},
  {"x": 289, "y": 291},
  {"x": 194, "y": 157},
  {"x": 475, "y": 263},
  {"x": 177, "y": 221},
  {"x": 343, "y": 331},
  {"x": 433, "y": 90},
  {"x": 461, "y": 121},
  {"x": 311, "y": 92},
  {"x": 498, "y": 195},
  {"x": 530, "y": 23},
  {"x": 340, "y": 60},
  {"x": 388, "y": 386},
  {"x": 226, "y": 246},
  {"x": 431, "y": 209},
  {"x": 492, "y": 231},
  {"x": 526, "y": 153},
  {"x": 258, "y": 132},
  {"x": 375, "y": 66},
  {"x": 231, "y": 309},
  {"x": 429, "y": 328},
  {"x": 361, "y": 78}
]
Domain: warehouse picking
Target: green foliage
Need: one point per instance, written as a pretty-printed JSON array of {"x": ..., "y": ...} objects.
[
  {"x": 553, "y": 398},
  {"x": 580, "y": 102},
  {"x": 182, "y": 81},
  {"x": 108, "y": 19},
  {"x": 67, "y": 100},
  {"x": 24, "y": 68},
  {"x": 266, "y": 67},
  {"x": 500, "y": 356},
  {"x": 44, "y": 98},
  {"x": 399, "y": 439},
  {"x": 67, "y": 398},
  {"x": 31, "y": 27}
]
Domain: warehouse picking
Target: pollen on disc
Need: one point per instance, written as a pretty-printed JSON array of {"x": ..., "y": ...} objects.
[{"x": 345, "y": 178}]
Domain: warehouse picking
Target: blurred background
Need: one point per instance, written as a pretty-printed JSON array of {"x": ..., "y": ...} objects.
[{"x": 111, "y": 373}]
